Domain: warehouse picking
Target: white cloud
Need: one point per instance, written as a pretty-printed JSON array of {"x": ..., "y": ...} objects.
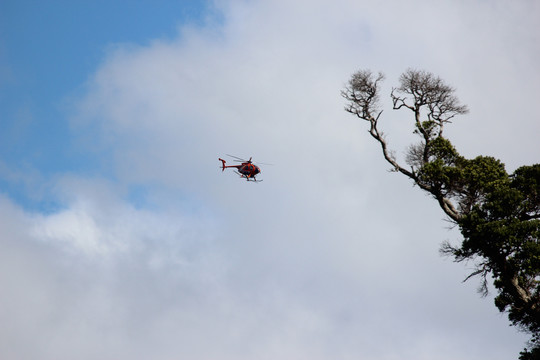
[{"x": 330, "y": 257}]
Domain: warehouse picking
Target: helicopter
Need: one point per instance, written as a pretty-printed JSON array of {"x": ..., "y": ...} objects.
[{"x": 246, "y": 169}]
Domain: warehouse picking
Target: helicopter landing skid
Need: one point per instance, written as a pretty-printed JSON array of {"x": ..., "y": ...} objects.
[{"x": 247, "y": 178}]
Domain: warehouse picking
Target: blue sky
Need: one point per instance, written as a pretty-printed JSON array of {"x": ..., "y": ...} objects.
[
  {"x": 122, "y": 239},
  {"x": 47, "y": 53}
]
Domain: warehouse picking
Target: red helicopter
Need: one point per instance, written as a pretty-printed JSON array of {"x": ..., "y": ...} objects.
[{"x": 247, "y": 169}]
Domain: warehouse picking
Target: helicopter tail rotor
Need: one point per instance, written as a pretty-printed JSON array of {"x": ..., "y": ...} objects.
[{"x": 222, "y": 164}]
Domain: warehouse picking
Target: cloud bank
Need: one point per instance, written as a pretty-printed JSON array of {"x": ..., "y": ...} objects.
[{"x": 162, "y": 256}]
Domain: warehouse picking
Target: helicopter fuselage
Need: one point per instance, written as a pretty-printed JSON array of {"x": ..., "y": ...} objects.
[{"x": 248, "y": 169}]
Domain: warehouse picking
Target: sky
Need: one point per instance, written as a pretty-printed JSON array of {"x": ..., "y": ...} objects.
[{"x": 122, "y": 239}]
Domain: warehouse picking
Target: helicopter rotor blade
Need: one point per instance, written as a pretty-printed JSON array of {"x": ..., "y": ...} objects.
[{"x": 236, "y": 157}]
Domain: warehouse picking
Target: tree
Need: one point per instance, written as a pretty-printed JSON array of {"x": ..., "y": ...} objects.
[{"x": 497, "y": 213}]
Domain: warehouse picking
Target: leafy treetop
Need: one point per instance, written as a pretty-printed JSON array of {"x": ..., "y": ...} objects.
[{"x": 497, "y": 213}]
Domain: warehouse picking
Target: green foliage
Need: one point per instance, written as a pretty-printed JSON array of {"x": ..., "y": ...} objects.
[
  {"x": 499, "y": 223},
  {"x": 533, "y": 352},
  {"x": 451, "y": 174},
  {"x": 526, "y": 179}
]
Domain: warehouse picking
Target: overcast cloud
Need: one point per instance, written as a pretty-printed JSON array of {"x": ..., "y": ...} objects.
[{"x": 163, "y": 256}]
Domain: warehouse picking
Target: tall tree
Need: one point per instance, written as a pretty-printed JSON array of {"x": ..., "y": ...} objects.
[{"x": 497, "y": 213}]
